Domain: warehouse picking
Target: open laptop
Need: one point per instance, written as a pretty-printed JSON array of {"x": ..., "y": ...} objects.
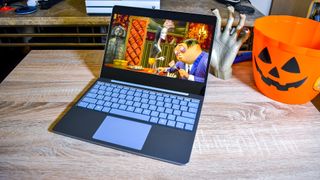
[{"x": 150, "y": 92}]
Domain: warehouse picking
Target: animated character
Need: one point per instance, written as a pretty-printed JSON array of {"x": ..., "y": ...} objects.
[
  {"x": 116, "y": 46},
  {"x": 193, "y": 61}
]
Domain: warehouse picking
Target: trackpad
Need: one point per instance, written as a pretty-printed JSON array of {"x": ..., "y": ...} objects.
[{"x": 122, "y": 132}]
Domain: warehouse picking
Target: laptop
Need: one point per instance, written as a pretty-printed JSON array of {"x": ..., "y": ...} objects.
[{"x": 149, "y": 95}]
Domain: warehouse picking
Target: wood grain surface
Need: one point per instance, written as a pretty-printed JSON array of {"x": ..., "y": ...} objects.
[
  {"x": 241, "y": 134},
  {"x": 73, "y": 13}
]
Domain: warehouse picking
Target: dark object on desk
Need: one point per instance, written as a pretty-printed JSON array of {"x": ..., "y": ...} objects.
[
  {"x": 316, "y": 102},
  {"x": 242, "y": 9},
  {"x": 46, "y": 4},
  {"x": 26, "y": 10},
  {"x": 229, "y": 2}
]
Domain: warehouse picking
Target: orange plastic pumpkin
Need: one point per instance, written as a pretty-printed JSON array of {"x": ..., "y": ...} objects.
[{"x": 286, "y": 58}]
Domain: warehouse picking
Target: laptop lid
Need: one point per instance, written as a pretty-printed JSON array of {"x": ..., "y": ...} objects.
[{"x": 158, "y": 48}]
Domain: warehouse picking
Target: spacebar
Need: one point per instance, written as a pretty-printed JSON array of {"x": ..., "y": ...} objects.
[{"x": 130, "y": 114}]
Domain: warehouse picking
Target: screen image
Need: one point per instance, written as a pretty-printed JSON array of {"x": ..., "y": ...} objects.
[{"x": 163, "y": 47}]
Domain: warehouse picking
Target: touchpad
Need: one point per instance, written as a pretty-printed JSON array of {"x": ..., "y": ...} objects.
[{"x": 122, "y": 132}]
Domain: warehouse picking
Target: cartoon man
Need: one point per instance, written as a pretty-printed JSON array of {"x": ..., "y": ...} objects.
[{"x": 193, "y": 61}]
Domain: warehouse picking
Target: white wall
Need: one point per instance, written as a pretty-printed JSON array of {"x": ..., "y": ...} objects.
[{"x": 262, "y": 5}]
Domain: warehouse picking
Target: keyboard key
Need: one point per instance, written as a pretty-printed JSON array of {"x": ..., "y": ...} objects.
[
  {"x": 116, "y": 90},
  {"x": 122, "y": 101},
  {"x": 100, "y": 97},
  {"x": 122, "y": 96},
  {"x": 123, "y": 91},
  {"x": 91, "y": 95},
  {"x": 130, "y": 92},
  {"x": 101, "y": 92},
  {"x": 105, "y": 109},
  {"x": 123, "y": 107},
  {"x": 130, "y": 108},
  {"x": 192, "y": 104},
  {"x": 99, "y": 82},
  {"x": 83, "y": 104},
  {"x": 193, "y": 110},
  {"x": 145, "y": 106},
  {"x": 175, "y": 106},
  {"x": 107, "y": 98},
  {"x": 175, "y": 101},
  {"x": 137, "y": 94},
  {"x": 129, "y": 98},
  {"x": 177, "y": 112},
  {"x": 188, "y": 127},
  {"x": 136, "y": 104},
  {"x": 108, "y": 93},
  {"x": 180, "y": 125},
  {"x": 152, "y": 107},
  {"x": 138, "y": 110},
  {"x": 167, "y": 100},
  {"x": 98, "y": 108},
  {"x": 152, "y": 102},
  {"x": 160, "y": 98},
  {"x": 144, "y": 100},
  {"x": 89, "y": 100},
  {"x": 114, "y": 100},
  {"x": 195, "y": 100},
  {"x": 115, "y": 105},
  {"x": 130, "y": 114},
  {"x": 171, "y": 117},
  {"x": 96, "y": 86},
  {"x": 129, "y": 103},
  {"x": 103, "y": 87},
  {"x": 171, "y": 123},
  {"x": 169, "y": 110},
  {"x": 100, "y": 102},
  {"x": 145, "y": 96},
  {"x": 152, "y": 97},
  {"x": 187, "y": 99},
  {"x": 160, "y": 109},
  {"x": 162, "y": 121},
  {"x": 155, "y": 113},
  {"x": 137, "y": 99},
  {"x": 183, "y": 108},
  {"x": 91, "y": 106},
  {"x": 108, "y": 104},
  {"x": 154, "y": 119},
  {"x": 163, "y": 115},
  {"x": 168, "y": 105},
  {"x": 115, "y": 94},
  {"x": 189, "y": 115},
  {"x": 183, "y": 103},
  {"x": 185, "y": 120},
  {"x": 93, "y": 90},
  {"x": 160, "y": 103},
  {"x": 146, "y": 112}
]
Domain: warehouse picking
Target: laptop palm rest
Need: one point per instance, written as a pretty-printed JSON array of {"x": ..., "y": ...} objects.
[{"x": 122, "y": 132}]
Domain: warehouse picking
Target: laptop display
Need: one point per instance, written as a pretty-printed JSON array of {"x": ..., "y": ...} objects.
[{"x": 162, "y": 47}]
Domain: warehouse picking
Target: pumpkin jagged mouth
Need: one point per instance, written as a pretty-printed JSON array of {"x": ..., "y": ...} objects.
[{"x": 277, "y": 84}]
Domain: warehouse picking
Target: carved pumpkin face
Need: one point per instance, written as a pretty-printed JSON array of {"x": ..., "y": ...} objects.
[{"x": 285, "y": 77}]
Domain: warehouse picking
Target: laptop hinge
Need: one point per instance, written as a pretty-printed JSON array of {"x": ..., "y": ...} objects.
[{"x": 151, "y": 88}]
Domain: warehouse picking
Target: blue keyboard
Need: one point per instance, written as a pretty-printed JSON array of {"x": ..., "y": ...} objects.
[{"x": 145, "y": 105}]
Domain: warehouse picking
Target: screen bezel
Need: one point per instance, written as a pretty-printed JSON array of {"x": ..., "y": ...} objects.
[{"x": 186, "y": 86}]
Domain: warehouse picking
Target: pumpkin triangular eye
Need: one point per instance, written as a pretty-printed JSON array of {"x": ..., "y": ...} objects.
[
  {"x": 265, "y": 56},
  {"x": 291, "y": 66}
]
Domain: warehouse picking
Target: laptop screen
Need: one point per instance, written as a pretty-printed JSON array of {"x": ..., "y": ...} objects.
[{"x": 166, "y": 47}]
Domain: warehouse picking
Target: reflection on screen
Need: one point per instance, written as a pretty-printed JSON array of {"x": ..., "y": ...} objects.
[{"x": 163, "y": 47}]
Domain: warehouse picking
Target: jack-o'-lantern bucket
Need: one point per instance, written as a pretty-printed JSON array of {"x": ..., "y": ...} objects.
[{"x": 286, "y": 58}]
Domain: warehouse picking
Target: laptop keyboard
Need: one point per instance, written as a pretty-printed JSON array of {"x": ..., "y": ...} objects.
[{"x": 146, "y": 105}]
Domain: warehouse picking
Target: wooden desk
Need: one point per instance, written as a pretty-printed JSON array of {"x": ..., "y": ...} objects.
[{"x": 241, "y": 133}]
